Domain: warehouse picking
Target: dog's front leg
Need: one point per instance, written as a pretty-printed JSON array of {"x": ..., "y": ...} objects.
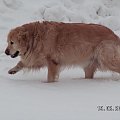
[
  {"x": 17, "y": 68},
  {"x": 53, "y": 71}
]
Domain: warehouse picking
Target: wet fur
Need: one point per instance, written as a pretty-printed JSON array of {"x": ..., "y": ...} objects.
[{"x": 53, "y": 44}]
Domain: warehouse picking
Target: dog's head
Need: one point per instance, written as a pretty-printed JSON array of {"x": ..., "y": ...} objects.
[{"x": 17, "y": 40}]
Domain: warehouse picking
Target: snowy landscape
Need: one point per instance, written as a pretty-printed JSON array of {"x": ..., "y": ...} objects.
[{"x": 24, "y": 96}]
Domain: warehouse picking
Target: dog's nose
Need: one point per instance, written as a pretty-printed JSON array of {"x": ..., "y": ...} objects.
[{"x": 7, "y": 52}]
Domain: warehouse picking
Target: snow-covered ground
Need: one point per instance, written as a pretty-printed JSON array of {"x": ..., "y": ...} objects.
[{"x": 24, "y": 97}]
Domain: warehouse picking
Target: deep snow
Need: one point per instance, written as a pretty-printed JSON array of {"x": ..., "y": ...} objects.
[{"x": 24, "y": 97}]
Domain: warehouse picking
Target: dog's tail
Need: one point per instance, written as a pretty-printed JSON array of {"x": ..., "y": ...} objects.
[{"x": 107, "y": 55}]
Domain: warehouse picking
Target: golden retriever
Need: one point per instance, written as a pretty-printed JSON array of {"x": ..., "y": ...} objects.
[{"x": 56, "y": 45}]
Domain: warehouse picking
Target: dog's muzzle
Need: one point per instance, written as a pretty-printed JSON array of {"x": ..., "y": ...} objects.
[
  {"x": 15, "y": 54},
  {"x": 7, "y": 52}
]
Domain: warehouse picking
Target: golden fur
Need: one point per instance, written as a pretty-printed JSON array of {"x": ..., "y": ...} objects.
[{"x": 53, "y": 44}]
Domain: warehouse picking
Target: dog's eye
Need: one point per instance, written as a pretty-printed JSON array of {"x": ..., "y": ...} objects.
[{"x": 11, "y": 43}]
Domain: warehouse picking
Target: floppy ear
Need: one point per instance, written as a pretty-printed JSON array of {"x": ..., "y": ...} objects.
[{"x": 23, "y": 37}]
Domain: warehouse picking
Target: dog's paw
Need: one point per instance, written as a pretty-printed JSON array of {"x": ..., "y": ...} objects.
[
  {"x": 12, "y": 71},
  {"x": 49, "y": 81}
]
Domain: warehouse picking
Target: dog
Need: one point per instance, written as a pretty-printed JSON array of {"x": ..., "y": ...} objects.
[{"x": 55, "y": 45}]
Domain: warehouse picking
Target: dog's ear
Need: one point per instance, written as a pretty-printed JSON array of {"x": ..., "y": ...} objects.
[
  {"x": 23, "y": 37},
  {"x": 23, "y": 34}
]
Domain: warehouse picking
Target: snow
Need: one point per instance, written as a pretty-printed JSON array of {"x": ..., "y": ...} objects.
[{"x": 25, "y": 97}]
